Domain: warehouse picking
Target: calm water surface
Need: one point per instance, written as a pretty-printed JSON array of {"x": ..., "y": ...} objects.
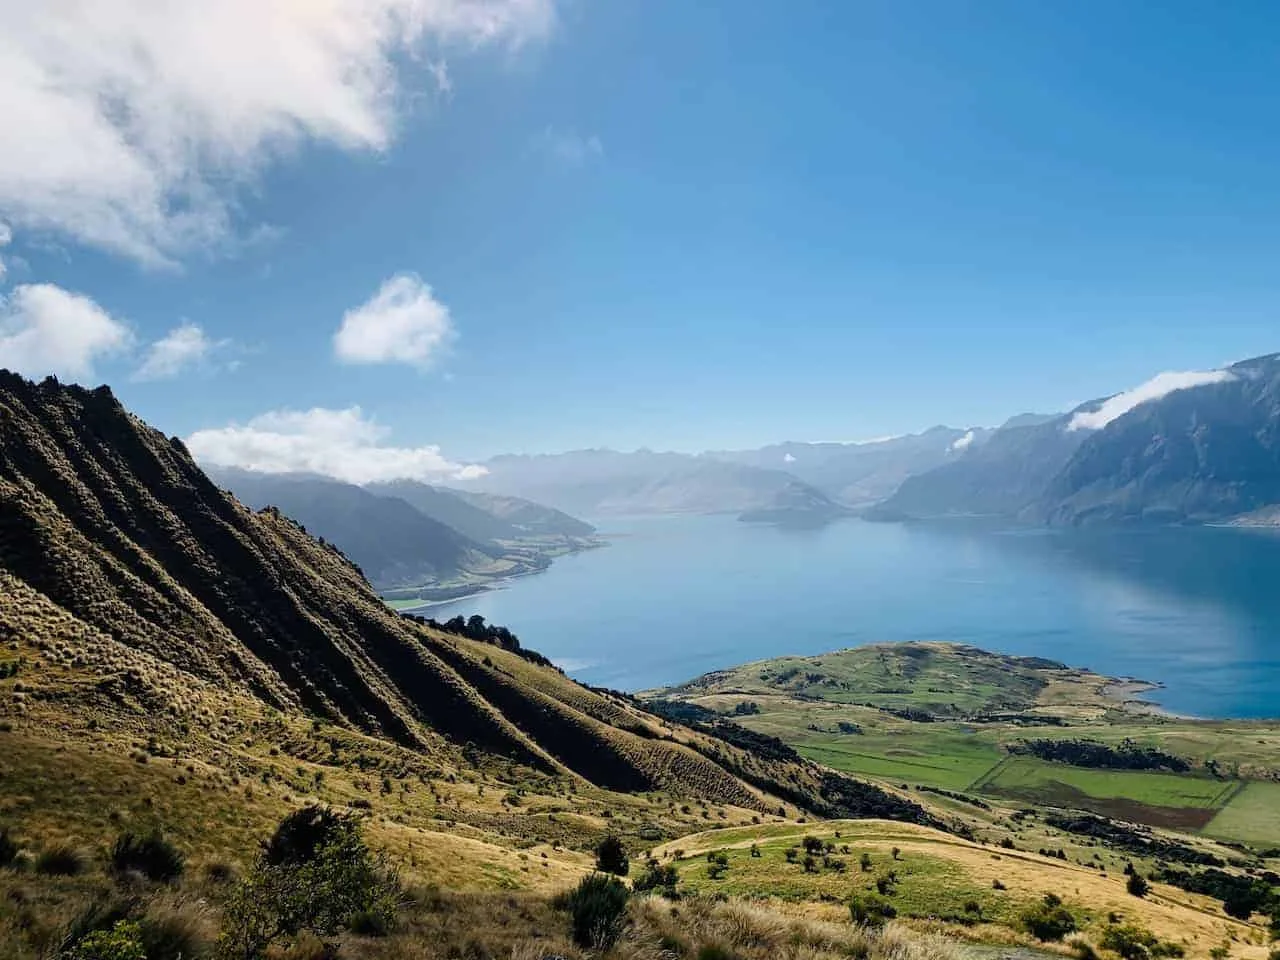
[{"x": 1195, "y": 609}]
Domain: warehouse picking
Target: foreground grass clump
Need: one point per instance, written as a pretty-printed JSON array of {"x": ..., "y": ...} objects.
[
  {"x": 152, "y": 856},
  {"x": 598, "y": 906}
]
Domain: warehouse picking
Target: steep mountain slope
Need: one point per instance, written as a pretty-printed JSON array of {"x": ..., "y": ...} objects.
[
  {"x": 605, "y": 482},
  {"x": 109, "y": 531},
  {"x": 1194, "y": 455},
  {"x": 860, "y": 473},
  {"x": 394, "y": 543},
  {"x": 1000, "y": 477}
]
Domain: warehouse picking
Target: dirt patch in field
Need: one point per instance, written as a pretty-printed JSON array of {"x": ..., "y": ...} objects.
[{"x": 1058, "y": 794}]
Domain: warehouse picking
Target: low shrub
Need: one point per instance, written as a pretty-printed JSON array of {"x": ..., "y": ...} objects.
[
  {"x": 62, "y": 861},
  {"x": 598, "y": 908},
  {"x": 1130, "y": 941},
  {"x": 152, "y": 856},
  {"x": 1049, "y": 921},
  {"x": 870, "y": 910},
  {"x": 8, "y": 849},
  {"x": 123, "y": 941}
]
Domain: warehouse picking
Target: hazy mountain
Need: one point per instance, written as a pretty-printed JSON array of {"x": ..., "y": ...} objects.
[
  {"x": 448, "y": 508},
  {"x": 531, "y": 519},
  {"x": 604, "y": 482},
  {"x": 999, "y": 477},
  {"x": 860, "y": 473},
  {"x": 797, "y": 505},
  {"x": 1201, "y": 454},
  {"x": 393, "y": 542}
]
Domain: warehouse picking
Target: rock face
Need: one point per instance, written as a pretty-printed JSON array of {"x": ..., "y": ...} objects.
[{"x": 1202, "y": 454}]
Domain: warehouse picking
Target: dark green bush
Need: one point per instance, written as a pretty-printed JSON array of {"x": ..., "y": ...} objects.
[
  {"x": 598, "y": 907},
  {"x": 870, "y": 910},
  {"x": 62, "y": 861},
  {"x": 1049, "y": 921},
  {"x": 1137, "y": 884},
  {"x": 152, "y": 856},
  {"x": 8, "y": 849},
  {"x": 369, "y": 923},
  {"x": 1130, "y": 941},
  {"x": 714, "y": 951},
  {"x": 315, "y": 875},
  {"x": 611, "y": 857},
  {"x": 658, "y": 877}
]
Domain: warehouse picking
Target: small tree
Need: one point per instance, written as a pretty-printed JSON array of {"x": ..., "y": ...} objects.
[
  {"x": 315, "y": 874},
  {"x": 865, "y": 862},
  {"x": 1137, "y": 884},
  {"x": 658, "y": 877},
  {"x": 611, "y": 857},
  {"x": 1130, "y": 941}
]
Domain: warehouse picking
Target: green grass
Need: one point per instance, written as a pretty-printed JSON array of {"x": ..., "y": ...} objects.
[
  {"x": 943, "y": 759},
  {"x": 1252, "y": 816},
  {"x": 927, "y": 886},
  {"x": 1161, "y": 799}
]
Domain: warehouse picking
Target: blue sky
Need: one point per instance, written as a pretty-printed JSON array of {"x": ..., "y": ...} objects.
[{"x": 662, "y": 224}]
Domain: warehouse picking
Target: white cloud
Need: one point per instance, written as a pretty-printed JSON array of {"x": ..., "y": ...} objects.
[
  {"x": 344, "y": 444},
  {"x": 183, "y": 347},
  {"x": 1158, "y": 386},
  {"x": 568, "y": 148},
  {"x": 963, "y": 443},
  {"x": 788, "y": 458},
  {"x": 401, "y": 323},
  {"x": 128, "y": 123},
  {"x": 47, "y": 330},
  {"x": 6, "y": 237}
]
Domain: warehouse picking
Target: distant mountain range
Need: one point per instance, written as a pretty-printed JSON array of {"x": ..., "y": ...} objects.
[
  {"x": 1202, "y": 449},
  {"x": 406, "y": 535}
]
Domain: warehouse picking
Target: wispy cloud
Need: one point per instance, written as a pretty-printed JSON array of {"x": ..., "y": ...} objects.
[
  {"x": 963, "y": 443},
  {"x": 183, "y": 348},
  {"x": 568, "y": 148},
  {"x": 128, "y": 124},
  {"x": 401, "y": 323},
  {"x": 45, "y": 329},
  {"x": 344, "y": 444},
  {"x": 1162, "y": 384}
]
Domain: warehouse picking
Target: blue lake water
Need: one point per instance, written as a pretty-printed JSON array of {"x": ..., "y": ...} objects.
[{"x": 1197, "y": 610}]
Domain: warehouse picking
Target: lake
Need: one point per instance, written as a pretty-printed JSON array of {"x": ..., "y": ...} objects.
[{"x": 1195, "y": 609}]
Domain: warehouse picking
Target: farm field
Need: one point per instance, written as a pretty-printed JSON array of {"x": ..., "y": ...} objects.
[
  {"x": 1252, "y": 816},
  {"x": 1162, "y": 799},
  {"x": 945, "y": 717},
  {"x": 944, "y": 759}
]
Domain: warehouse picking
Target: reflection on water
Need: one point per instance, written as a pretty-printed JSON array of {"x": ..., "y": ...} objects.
[{"x": 1195, "y": 609}]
